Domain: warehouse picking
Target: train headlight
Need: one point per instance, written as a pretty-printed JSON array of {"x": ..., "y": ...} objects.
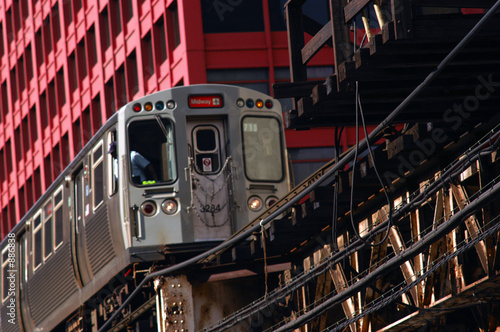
[
  {"x": 270, "y": 201},
  {"x": 259, "y": 103},
  {"x": 149, "y": 208},
  {"x": 170, "y": 104},
  {"x": 169, "y": 206},
  {"x": 255, "y": 203},
  {"x": 240, "y": 102}
]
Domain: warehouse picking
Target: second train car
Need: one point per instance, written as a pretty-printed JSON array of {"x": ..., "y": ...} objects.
[{"x": 177, "y": 168}]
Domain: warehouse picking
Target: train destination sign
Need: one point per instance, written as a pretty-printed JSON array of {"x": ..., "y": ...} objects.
[{"x": 205, "y": 101}]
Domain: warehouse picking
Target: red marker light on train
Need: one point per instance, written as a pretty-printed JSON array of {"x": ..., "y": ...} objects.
[
  {"x": 269, "y": 103},
  {"x": 137, "y": 107},
  {"x": 148, "y": 208}
]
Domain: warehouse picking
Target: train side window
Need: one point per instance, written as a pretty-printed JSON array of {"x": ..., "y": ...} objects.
[
  {"x": 37, "y": 240},
  {"x": 113, "y": 166},
  {"x": 262, "y": 148},
  {"x": 48, "y": 229},
  {"x": 24, "y": 263},
  {"x": 98, "y": 175},
  {"x": 5, "y": 270},
  {"x": 152, "y": 153},
  {"x": 206, "y": 149},
  {"x": 58, "y": 217}
]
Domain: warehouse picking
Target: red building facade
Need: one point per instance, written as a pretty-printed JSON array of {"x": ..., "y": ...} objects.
[{"x": 68, "y": 65}]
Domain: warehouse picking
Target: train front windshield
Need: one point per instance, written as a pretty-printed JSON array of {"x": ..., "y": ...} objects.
[
  {"x": 152, "y": 153},
  {"x": 262, "y": 148}
]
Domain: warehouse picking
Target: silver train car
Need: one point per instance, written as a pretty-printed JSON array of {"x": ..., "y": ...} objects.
[{"x": 180, "y": 169}]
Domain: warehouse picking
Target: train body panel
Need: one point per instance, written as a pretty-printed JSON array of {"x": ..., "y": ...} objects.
[{"x": 179, "y": 167}]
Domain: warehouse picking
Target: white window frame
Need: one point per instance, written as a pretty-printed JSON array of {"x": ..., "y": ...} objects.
[
  {"x": 44, "y": 222},
  {"x": 39, "y": 228},
  {"x": 57, "y": 206}
]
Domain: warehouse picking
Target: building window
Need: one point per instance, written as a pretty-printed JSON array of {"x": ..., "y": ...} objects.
[
  {"x": 68, "y": 12},
  {"x": 13, "y": 84},
  {"x": 2, "y": 50},
  {"x": 72, "y": 75},
  {"x": 40, "y": 54},
  {"x": 116, "y": 18},
  {"x": 174, "y": 24},
  {"x": 160, "y": 41},
  {"x": 18, "y": 144},
  {"x": 8, "y": 155},
  {"x": 20, "y": 73},
  {"x": 91, "y": 47},
  {"x": 43, "y": 111},
  {"x": 47, "y": 35},
  {"x": 81, "y": 57},
  {"x": 104, "y": 29},
  {"x": 29, "y": 63},
  {"x": 147, "y": 57},
  {"x": 56, "y": 25},
  {"x": 33, "y": 125},
  {"x": 51, "y": 99},
  {"x": 232, "y": 16},
  {"x": 132, "y": 77}
]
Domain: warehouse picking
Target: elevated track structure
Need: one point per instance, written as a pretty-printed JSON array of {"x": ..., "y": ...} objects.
[{"x": 398, "y": 233}]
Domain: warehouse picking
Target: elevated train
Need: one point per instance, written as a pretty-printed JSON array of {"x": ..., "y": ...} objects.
[{"x": 216, "y": 157}]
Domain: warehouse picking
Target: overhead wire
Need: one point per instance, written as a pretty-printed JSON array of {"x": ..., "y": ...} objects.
[{"x": 359, "y": 110}]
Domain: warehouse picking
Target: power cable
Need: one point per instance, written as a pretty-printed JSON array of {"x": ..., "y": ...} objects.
[{"x": 359, "y": 110}]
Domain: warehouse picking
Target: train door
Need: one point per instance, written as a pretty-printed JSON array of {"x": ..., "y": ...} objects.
[
  {"x": 211, "y": 182},
  {"x": 80, "y": 206}
]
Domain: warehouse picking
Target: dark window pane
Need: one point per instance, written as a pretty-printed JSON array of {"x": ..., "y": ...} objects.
[
  {"x": 232, "y": 16},
  {"x": 37, "y": 249},
  {"x": 48, "y": 237},
  {"x": 37, "y": 221},
  {"x": 59, "y": 225},
  {"x": 98, "y": 184},
  {"x": 205, "y": 140},
  {"x": 156, "y": 148}
]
